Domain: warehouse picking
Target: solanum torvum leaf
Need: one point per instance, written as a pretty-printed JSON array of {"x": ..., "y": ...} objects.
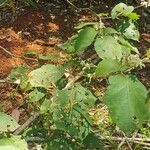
[
  {"x": 85, "y": 38},
  {"x": 36, "y": 95},
  {"x": 126, "y": 98},
  {"x": 121, "y": 9},
  {"x": 7, "y": 123},
  {"x": 108, "y": 47},
  {"x": 107, "y": 66},
  {"x": 13, "y": 143},
  {"x": 128, "y": 28},
  {"x": 45, "y": 75}
]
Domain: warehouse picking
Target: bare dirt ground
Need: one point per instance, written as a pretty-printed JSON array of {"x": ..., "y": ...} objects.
[{"x": 33, "y": 30}]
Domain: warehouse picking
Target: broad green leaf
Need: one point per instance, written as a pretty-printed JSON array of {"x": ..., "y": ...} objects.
[
  {"x": 17, "y": 73},
  {"x": 36, "y": 95},
  {"x": 107, "y": 66},
  {"x": 25, "y": 84},
  {"x": 108, "y": 47},
  {"x": 82, "y": 94},
  {"x": 13, "y": 143},
  {"x": 93, "y": 142},
  {"x": 45, "y": 75},
  {"x": 126, "y": 98},
  {"x": 85, "y": 38},
  {"x": 45, "y": 107},
  {"x": 109, "y": 30},
  {"x": 69, "y": 45},
  {"x": 128, "y": 28},
  {"x": 7, "y": 123},
  {"x": 77, "y": 108},
  {"x": 121, "y": 9},
  {"x": 126, "y": 46}
]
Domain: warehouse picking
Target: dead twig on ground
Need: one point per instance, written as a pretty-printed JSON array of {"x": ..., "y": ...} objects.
[
  {"x": 15, "y": 55},
  {"x": 140, "y": 141},
  {"x": 27, "y": 123}
]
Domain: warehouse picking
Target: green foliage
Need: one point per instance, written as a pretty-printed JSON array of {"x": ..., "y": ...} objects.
[
  {"x": 13, "y": 143},
  {"x": 17, "y": 73},
  {"x": 45, "y": 75},
  {"x": 7, "y": 123},
  {"x": 126, "y": 98},
  {"x": 70, "y": 110},
  {"x": 129, "y": 30},
  {"x": 68, "y": 46},
  {"x": 45, "y": 106},
  {"x": 92, "y": 142},
  {"x": 108, "y": 47},
  {"x": 36, "y": 95},
  {"x": 65, "y": 109},
  {"x": 107, "y": 66},
  {"x": 85, "y": 38},
  {"x": 121, "y": 10}
]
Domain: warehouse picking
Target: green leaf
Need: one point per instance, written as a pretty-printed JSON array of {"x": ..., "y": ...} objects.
[
  {"x": 45, "y": 107},
  {"x": 83, "y": 113},
  {"x": 126, "y": 98},
  {"x": 7, "y": 123},
  {"x": 93, "y": 142},
  {"x": 108, "y": 47},
  {"x": 133, "y": 16},
  {"x": 82, "y": 94},
  {"x": 36, "y": 95},
  {"x": 128, "y": 28},
  {"x": 109, "y": 30},
  {"x": 17, "y": 73},
  {"x": 107, "y": 66},
  {"x": 69, "y": 45},
  {"x": 45, "y": 75},
  {"x": 126, "y": 46},
  {"x": 13, "y": 143},
  {"x": 85, "y": 38},
  {"x": 121, "y": 9}
]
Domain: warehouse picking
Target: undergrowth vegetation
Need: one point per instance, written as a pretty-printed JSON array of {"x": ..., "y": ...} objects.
[{"x": 62, "y": 96}]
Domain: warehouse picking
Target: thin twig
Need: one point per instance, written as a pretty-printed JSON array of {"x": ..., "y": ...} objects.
[
  {"x": 127, "y": 141},
  {"x": 140, "y": 141},
  {"x": 3, "y": 81},
  {"x": 81, "y": 9},
  {"x": 27, "y": 123},
  {"x": 69, "y": 84},
  {"x": 14, "y": 55},
  {"x": 122, "y": 142}
]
